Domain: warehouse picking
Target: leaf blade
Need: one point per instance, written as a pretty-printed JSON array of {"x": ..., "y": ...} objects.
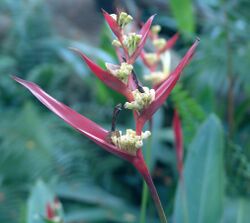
[
  {"x": 201, "y": 199},
  {"x": 184, "y": 15}
]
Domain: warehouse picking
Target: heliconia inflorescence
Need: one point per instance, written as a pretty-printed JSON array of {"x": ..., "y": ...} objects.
[{"x": 141, "y": 99}]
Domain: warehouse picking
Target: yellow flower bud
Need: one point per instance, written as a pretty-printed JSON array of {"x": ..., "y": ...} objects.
[
  {"x": 156, "y": 29},
  {"x": 151, "y": 58},
  {"x": 131, "y": 42},
  {"x": 116, "y": 43},
  {"x": 124, "y": 19},
  {"x": 159, "y": 43}
]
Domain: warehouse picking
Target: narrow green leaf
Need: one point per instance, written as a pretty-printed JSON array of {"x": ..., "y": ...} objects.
[
  {"x": 200, "y": 197},
  {"x": 40, "y": 197},
  {"x": 101, "y": 215},
  {"x": 184, "y": 15}
]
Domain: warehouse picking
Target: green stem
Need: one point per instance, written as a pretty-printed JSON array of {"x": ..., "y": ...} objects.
[
  {"x": 145, "y": 193},
  {"x": 144, "y": 203}
]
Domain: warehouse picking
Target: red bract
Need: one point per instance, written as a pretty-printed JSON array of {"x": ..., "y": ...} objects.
[
  {"x": 106, "y": 77},
  {"x": 178, "y": 141},
  {"x": 144, "y": 32},
  {"x": 116, "y": 29},
  {"x": 163, "y": 91},
  {"x": 85, "y": 126}
]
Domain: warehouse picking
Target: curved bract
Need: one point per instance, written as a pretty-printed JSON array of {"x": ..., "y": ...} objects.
[
  {"x": 144, "y": 32},
  {"x": 166, "y": 87},
  {"x": 105, "y": 76},
  {"x": 82, "y": 124}
]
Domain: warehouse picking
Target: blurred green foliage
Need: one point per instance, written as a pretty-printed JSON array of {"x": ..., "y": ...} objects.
[
  {"x": 184, "y": 15},
  {"x": 93, "y": 185},
  {"x": 201, "y": 194}
]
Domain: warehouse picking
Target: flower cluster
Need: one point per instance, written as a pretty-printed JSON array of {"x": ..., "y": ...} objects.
[
  {"x": 141, "y": 99},
  {"x": 122, "y": 72},
  {"x": 129, "y": 41},
  {"x": 121, "y": 77},
  {"x": 161, "y": 54},
  {"x": 129, "y": 142}
]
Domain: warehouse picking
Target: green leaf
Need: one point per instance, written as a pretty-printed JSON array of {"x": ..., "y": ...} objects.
[
  {"x": 40, "y": 197},
  {"x": 90, "y": 194},
  {"x": 237, "y": 211},
  {"x": 200, "y": 197},
  {"x": 101, "y": 215},
  {"x": 184, "y": 15}
]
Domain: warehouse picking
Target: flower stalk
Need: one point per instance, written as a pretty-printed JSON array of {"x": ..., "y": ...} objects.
[{"x": 141, "y": 166}]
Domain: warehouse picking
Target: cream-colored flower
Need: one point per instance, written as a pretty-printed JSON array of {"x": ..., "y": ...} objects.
[
  {"x": 155, "y": 77},
  {"x": 141, "y": 100},
  {"x": 121, "y": 72},
  {"x": 116, "y": 43},
  {"x": 114, "y": 16},
  {"x": 129, "y": 142},
  {"x": 131, "y": 41},
  {"x": 123, "y": 19},
  {"x": 166, "y": 62},
  {"x": 159, "y": 76},
  {"x": 159, "y": 43},
  {"x": 156, "y": 29},
  {"x": 151, "y": 58}
]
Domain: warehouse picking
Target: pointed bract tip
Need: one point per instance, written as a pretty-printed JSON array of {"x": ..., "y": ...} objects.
[
  {"x": 151, "y": 18},
  {"x": 198, "y": 39},
  {"x": 75, "y": 50},
  {"x": 15, "y": 78},
  {"x": 79, "y": 52},
  {"x": 21, "y": 81},
  {"x": 72, "y": 48},
  {"x": 103, "y": 11},
  {"x": 195, "y": 44},
  {"x": 106, "y": 14}
]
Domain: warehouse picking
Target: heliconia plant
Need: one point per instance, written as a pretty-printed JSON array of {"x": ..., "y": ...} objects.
[{"x": 143, "y": 101}]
